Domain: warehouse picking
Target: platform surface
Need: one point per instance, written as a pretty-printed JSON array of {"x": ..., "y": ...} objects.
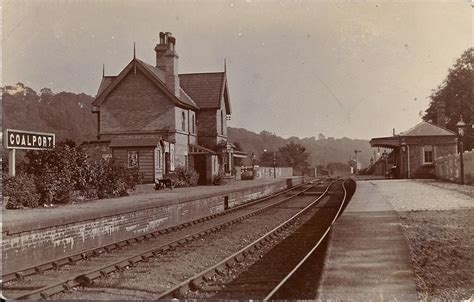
[
  {"x": 145, "y": 197},
  {"x": 368, "y": 256}
]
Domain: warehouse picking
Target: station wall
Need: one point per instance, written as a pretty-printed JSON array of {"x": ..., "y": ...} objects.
[{"x": 24, "y": 243}]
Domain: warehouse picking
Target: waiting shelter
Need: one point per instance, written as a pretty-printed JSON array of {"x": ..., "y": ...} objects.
[{"x": 414, "y": 151}]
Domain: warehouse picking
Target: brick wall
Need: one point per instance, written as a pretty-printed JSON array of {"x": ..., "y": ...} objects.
[
  {"x": 420, "y": 170},
  {"x": 448, "y": 167},
  {"x": 23, "y": 248},
  {"x": 123, "y": 110}
]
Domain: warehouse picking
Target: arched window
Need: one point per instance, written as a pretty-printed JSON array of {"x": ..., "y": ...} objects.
[{"x": 183, "y": 121}]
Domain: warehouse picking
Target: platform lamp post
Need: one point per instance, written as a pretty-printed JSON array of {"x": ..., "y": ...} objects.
[
  {"x": 274, "y": 162},
  {"x": 403, "y": 148},
  {"x": 461, "y": 126}
]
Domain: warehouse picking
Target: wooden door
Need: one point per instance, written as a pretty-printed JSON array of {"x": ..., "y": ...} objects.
[{"x": 158, "y": 156}]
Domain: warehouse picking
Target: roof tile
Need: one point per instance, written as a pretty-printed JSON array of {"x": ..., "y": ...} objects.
[
  {"x": 427, "y": 129},
  {"x": 203, "y": 88}
]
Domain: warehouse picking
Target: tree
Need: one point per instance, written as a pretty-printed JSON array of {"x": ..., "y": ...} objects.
[
  {"x": 294, "y": 155},
  {"x": 456, "y": 93},
  {"x": 266, "y": 159}
]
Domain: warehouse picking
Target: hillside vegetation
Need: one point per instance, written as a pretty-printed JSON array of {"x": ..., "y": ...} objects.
[
  {"x": 321, "y": 151},
  {"x": 69, "y": 116}
]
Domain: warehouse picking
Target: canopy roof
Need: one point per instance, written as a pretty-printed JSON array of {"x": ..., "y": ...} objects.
[{"x": 422, "y": 129}]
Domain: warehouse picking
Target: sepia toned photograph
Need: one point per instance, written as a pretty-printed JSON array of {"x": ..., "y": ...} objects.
[{"x": 237, "y": 150}]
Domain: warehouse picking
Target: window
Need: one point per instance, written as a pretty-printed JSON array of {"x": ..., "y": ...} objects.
[
  {"x": 222, "y": 122},
  {"x": 183, "y": 121},
  {"x": 193, "y": 123},
  {"x": 133, "y": 159},
  {"x": 428, "y": 154}
]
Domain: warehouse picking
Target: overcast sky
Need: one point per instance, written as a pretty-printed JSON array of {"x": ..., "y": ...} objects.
[{"x": 294, "y": 68}]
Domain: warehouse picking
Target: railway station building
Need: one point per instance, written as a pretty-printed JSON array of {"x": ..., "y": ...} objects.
[
  {"x": 413, "y": 152},
  {"x": 154, "y": 119}
]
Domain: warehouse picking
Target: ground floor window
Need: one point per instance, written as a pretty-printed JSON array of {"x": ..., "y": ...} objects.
[
  {"x": 428, "y": 154},
  {"x": 133, "y": 159}
]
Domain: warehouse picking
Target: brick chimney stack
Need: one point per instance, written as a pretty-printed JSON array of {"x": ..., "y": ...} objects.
[
  {"x": 441, "y": 114},
  {"x": 167, "y": 60}
]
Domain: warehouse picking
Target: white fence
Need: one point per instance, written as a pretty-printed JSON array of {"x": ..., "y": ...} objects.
[{"x": 449, "y": 167}]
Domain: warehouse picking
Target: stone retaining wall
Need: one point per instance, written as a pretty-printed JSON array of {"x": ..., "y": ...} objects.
[{"x": 27, "y": 247}]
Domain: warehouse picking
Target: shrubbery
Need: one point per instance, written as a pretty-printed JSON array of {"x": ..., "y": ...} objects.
[
  {"x": 112, "y": 179},
  {"x": 21, "y": 191},
  {"x": 219, "y": 178},
  {"x": 183, "y": 177},
  {"x": 186, "y": 177},
  {"x": 52, "y": 177}
]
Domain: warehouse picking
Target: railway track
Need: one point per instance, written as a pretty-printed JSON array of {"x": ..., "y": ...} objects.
[
  {"x": 51, "y": 278},
  {"x": 275, "y": 275}
]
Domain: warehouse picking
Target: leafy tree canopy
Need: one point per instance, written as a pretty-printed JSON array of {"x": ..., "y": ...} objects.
[{"x": 456, "y": 93}]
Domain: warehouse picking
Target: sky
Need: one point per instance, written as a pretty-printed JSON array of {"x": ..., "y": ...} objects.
[{"x": 296, "y": 68}]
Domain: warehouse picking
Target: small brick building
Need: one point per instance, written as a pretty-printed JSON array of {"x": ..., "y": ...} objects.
[
  {"x": 154, "y": 119},
  {"x": 414, "y": 151}
]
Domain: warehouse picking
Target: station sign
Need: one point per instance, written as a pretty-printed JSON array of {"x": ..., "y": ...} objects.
[{"x": 29, "y": 140}]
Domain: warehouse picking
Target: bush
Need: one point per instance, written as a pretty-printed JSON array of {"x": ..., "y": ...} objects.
[
  {"x": 66, "y": 168},
  {"x": 219, "y": 179},
  {"x": 186, "y": 177},
  {"x": 21, "y": 191},
  {"x": 55, "y": 172},
  {"x": 113, "y": 179}
]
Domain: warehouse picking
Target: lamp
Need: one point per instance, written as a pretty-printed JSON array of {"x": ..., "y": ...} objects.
[
  {"x": 461, "y": 125},
  {"x": 404, "y": 145},
  {"x": 274, "y": 162}
]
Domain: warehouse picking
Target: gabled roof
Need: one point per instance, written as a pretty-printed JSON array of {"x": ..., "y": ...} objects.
[
  {"x": 106, "y": 80},
  {"x": 206, "y": 89},
  {"x": 427, "y": 129},
  {"x": 153, "y": 73}
]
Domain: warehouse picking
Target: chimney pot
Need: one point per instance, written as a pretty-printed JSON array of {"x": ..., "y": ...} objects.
[{"x": 167, "y": 60}]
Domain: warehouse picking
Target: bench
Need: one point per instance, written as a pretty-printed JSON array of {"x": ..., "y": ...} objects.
[{"x": 164, "y": 183}]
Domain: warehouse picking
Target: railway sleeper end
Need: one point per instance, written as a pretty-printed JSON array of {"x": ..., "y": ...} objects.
[
  {"x": 135, "y": 259},
  {"x": 239, "y": 258},
  {"x": 18, "y": 276},
  {"x": 87, "y": 279},
  {"x": 230, "y": 263},
  {"x": 194, "y": 284},
  {"x": 182, "y": 291},
  {"x": 209, "y": 276},
  {"x": 221, "y": 270}
]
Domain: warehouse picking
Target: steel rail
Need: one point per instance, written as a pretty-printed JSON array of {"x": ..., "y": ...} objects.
[
  {"x": 87, "y": 254},
  {"x": 209, "y": 273},
  {"x": 290, "y": 274},
  {"x": 85, "y": 278}
]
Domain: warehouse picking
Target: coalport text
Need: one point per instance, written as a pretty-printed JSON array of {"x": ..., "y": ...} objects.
[{"x": 23, "y": 140}]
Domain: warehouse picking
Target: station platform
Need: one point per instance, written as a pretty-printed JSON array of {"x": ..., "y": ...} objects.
[
  {"x": 43, "y": 234},
  {"x": 368, "y": 256},
  {"x": 14, "y": 221}
]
